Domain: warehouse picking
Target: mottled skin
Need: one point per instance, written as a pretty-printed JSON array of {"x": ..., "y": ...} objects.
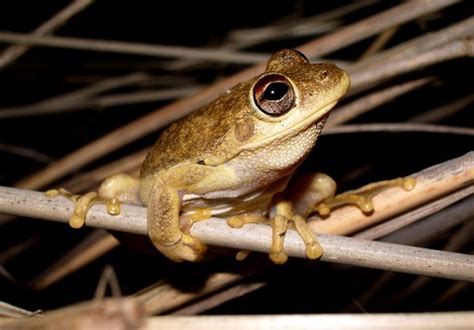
[{"x": 232, "y": 159}]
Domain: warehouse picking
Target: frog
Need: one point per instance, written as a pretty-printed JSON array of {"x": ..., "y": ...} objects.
[{"x": 234, "y": 158}]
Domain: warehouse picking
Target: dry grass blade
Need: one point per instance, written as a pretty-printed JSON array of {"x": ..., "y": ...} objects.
[
  {"x": 106, "y": 314},
  {"x": 380, "y": 42},
  {"x": 10, "y": 311},
  {"x": 371, "y": 101},
  {"x": 444, "y": 111},
  {"x": 424, "y": 43},
  {"x": 163, "y": 297},
  {"x": 460, "y": 239},
  {"x": 25, "y": 152},
  {"x": 416, "y": 214},
  {"x": 362, "y": 80},
  {"x": 122, "y": 47},
  {"x": 12, "y": 53},
  {"x": 125, "y": 164},
  {"x": 400, "y": 127},
  {"x": 96, "y": 244},
  {"x": 219, "y": 298},
  {"x": 76, "y": 99}
]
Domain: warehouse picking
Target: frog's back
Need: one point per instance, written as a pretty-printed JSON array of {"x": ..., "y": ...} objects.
[{"x": 198, "y": 135}]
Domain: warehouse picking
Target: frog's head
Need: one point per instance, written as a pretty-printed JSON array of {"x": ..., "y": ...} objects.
[{"x": 289, "y": 97}]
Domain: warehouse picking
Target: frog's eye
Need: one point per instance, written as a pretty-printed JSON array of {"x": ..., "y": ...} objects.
[{"x": 273, "y": 94}]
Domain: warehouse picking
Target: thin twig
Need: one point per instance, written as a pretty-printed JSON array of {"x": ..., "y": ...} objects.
[
  {"x": 134, "y": 48},
  {"x": 105, "y": 314},
  {"x": 454, "y": 290},
  {"x": 100, "y": 102},
  {"x": 95, "y": 244},
  {"x": 125, "y": 164},
  {"x": 413, "y": 216},
  {"x": 163, "y": 297},
  {"x": 7, "y": 310},
  {"x": 444, "y": 111},
  {"x": 219, "y": 298},
  {"x": 71, "y": 100},
  {"x": 426, "y": 42},
  {"x": 373, "y": 25},
  {"x": 282, "y": 29},
  {"x": 14, "y": 52},
  {"x": 144, "y": 96},
  {"x": 426, "y": 231},
  {"x": 25, "y": 152},
  {"x": 399, "y": 127},
  {"x": 458, "y": 240},
  {"x": 371, "y": 101},
  {"x": 380, "y": 42},
  {"x": 362, "y": 80},
  {"x": 167, "y": 114}
]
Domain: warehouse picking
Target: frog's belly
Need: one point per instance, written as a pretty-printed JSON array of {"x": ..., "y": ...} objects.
[{"x": 257, "y": 202}]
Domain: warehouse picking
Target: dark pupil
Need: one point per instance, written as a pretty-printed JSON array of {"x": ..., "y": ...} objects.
[{"x": 275, "y": 91}]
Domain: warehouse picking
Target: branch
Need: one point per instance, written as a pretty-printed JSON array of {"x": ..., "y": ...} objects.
[{"x": 258, "y": 237}]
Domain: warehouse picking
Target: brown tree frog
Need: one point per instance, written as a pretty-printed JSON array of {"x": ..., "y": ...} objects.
[{"x": 234, "y": 158}]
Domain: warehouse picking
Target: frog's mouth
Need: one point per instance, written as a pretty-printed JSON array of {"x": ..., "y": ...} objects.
[{"x": 315, "y": 118}]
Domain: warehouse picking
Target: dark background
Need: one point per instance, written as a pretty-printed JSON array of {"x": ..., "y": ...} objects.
[{"x": 297, "y": 287}]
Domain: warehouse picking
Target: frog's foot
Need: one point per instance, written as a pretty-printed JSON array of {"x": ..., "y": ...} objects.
[
  {"x": 284, "y": 214},
  {"x": 83, "y": 203},
  {"x": 119, "y": 188},
  {"x": 189, "y": 248},
  {"x": 362, "y": 197},
  {"x": 238, "y": 221},
  {"x": 188, "y": 219}
]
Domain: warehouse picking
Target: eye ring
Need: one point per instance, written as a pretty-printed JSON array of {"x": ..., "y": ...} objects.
[{"x": 273, "y": 94}]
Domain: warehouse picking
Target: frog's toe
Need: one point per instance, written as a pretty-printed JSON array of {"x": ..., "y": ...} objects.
[
  {"x": 362, "y": 197},
  {"x": 278, "y": 257},
  {"x": 188, "y": 248}
]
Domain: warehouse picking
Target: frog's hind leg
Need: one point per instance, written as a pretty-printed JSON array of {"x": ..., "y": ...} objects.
[
  {"x": 283, "y": 218},
  {"x": 315, "y": 192},
  {"x": 119, "y": 188},
  {"x": 308, "y": 189},
  {"x": 284, "y": 214},
  {"x": 164, "y": 226},
  {"x": 362, "y": 197}
]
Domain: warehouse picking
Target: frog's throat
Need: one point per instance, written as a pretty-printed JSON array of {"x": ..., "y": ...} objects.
[{"x": 301, "y": 126}]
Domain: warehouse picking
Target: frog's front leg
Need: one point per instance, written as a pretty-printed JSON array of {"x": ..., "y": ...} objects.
[
  {"x": 116, "y": 189},
  {"x": 164, "y": 226}
]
